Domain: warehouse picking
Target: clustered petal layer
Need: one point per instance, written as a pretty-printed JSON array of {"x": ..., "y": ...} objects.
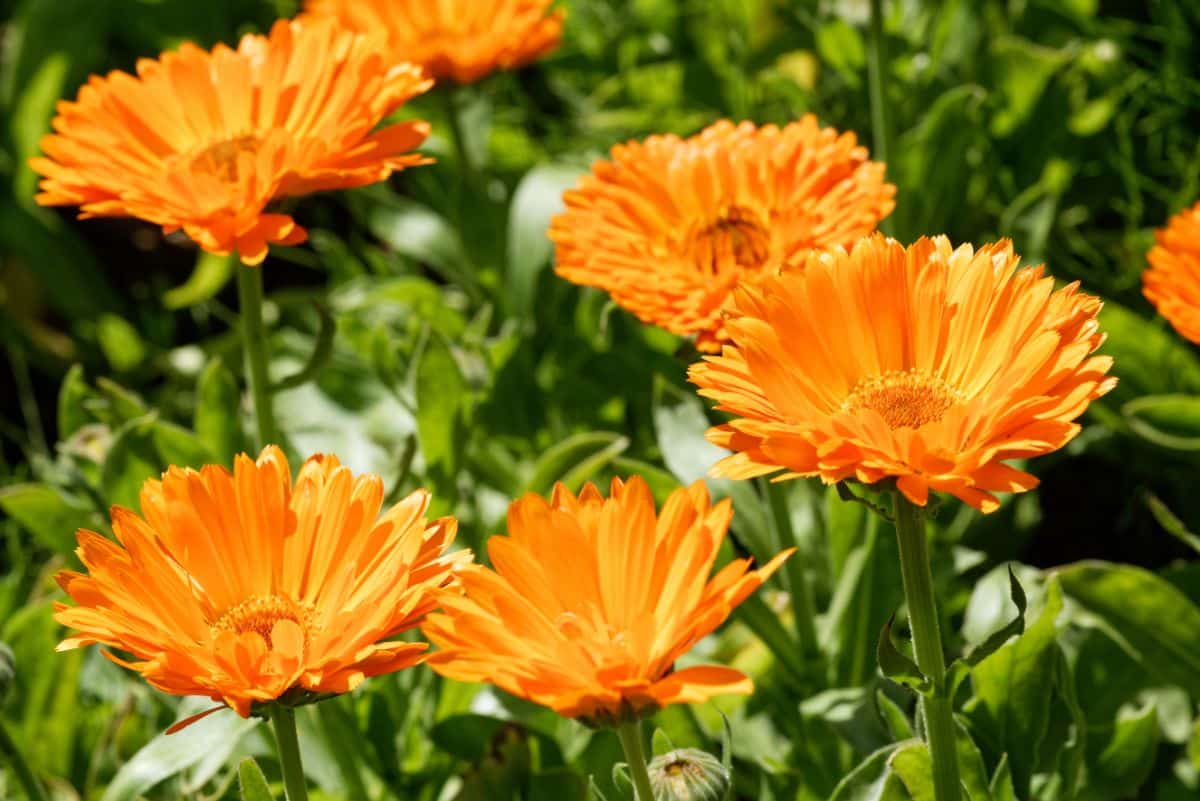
[
  {"x": 204, "y": 141},
  {"x": 1172, "y": 283},
  {"x": 669, "y": 226},
  {"x": 244, "y": 586},
  {"x": 457, "y": 40},
  {"x": 592, "y": 600},
  {"x": 929, "y": 364}
]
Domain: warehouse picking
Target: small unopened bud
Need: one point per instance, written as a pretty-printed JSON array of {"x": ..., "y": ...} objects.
[
  {"x": 8, "y": 670},
  {"x": 688, "y": 775}
]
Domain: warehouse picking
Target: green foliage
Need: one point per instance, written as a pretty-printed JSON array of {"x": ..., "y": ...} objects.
[{"x": 422, "y": 334}]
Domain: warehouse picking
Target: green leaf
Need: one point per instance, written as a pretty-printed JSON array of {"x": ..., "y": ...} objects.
[
  {"x": 120, "y": 341},
  {"x": 219, "y": 411},
  {"x": 561, "y": 459},
  {"x": 1002, "y": 781},
  {"x": 911, "y": 762},
  {"x": 1171, "y": 523},
  {"x": 893, "y": 717},
  {"x": 587, "y": 469},
  {"x": 322, "y": 351},
  {"x": 895, "y": 665},
  {"x": 47, "y": 514},
  {"x": 767, "y": 626},
  {"x": 841, "y": 46},
  {"x": 441, "y": 397},
  {"x": 252, "y": 783},
  {"x": 1013, "y": 688},
  {"x": 872, "y": 780},
  {"x": 422, "y": 234},
  {"x": 971, "y": 766},
  {"x": 1147, "y": 616},
  {"x": 1014, "y": 628},
  {"x": 143, "y": 449},
  {"x": 1169, "y": 421},
  {"x": 558, "y": 784},
  {"x": 209, "y": 276},
  {"x": 1154, "y": 360},
  {"x": 538, "y": 197},
  {"x": 1119, "y": 763},
  {"x": 72, "y": 414},
  {"x": 205, "y": 744}
]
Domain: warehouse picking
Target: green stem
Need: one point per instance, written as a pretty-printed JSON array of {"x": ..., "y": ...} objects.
[
  {"x": 33, "y": 788},
  {"x": 803, "y": 609},
  {"x": 466, "y": 166},
  {"x": 927, "y": 642},
  {"x": 880, "y": 124},
  {"x": 635, "y": 757},
  {"x": 284, "y": 720},
  {"x": 254, "y": 342}
]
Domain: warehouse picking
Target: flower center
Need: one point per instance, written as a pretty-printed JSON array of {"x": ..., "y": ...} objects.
[
  {"x": 260, "y": 613},
  {"x": 221, "y": 160},
  {"x": 904, "y": 398},
  {"x": 737, "y": 239}
]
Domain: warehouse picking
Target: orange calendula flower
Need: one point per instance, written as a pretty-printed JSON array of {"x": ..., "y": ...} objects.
[
  {"x": 204, "y": 141},
  {"x": 929, "y": 364},
  {"x": 246, "y": 588},
  {"x": 1172, "y": 283},
  {"x": 592, "y": 600},
  {"x": 670, "y": 226},
  {"x": 457, "y": 40}
]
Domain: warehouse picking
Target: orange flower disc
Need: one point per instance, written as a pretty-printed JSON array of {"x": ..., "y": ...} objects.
[
  {"x": 243, "y": 587},
  {"x": 1172, "y": 283},
  {"x": 669, "y": 226},
  {"x": 205, "y": 141},
  {"x": 592, "y": 600},
  {"x": 929, "y": 364},
  {"x": 457, "y": 40}
]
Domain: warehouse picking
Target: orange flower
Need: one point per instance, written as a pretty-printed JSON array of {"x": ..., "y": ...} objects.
[
  {"x": 458, "y": 40},
  {"x": 593, "y": 600},
  {"x": 204, "y": 141},
  {"x": 670, "y": 225},
  {"x": 245, "y": 588},
  {"x": 927, "y": 364},
  {"x": 1172, "y": 283}
]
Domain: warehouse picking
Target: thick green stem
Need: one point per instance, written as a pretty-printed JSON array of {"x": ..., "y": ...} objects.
[
  {"x": 284, "y": 720},
  {"x": 254, "y": 342},
  {"x": 803, "y": 609},
  {"x": 880, "y": 124},
  {"x": 33, "y": 788},
  {"x": 635, "y": 757},
  {"x": 927, "y": 642}
]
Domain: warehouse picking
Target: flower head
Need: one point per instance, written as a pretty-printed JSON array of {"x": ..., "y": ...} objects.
[
  {"x": 929, "y": 364},
  {"x": 457, "y": 40},
  {"x": 670, "y": 226},
  {"x": 204, "y": 141},
  {"x": 592, "y": 600},
  {"x": 1172, "y": 283},
  {"x": 243, "y": 587}
]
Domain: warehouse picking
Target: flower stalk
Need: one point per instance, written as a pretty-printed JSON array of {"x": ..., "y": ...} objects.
[
  {"x": 927, "y": 643},
  {"x": 254, "y": 343},
  {"x": 283, "y": 719},
  {"x": 803, "y": 609},
  {"x": 635, "y": 756},
  {"x": 880, "y": 124}
]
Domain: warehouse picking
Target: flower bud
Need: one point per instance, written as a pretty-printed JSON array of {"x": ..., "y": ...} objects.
[{"x": 688, "y": 774}]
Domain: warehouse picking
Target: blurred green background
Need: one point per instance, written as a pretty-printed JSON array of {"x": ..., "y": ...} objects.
[{"x": 458, "y": 361}]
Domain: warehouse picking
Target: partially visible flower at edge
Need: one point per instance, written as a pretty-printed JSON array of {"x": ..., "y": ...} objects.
[
  {"x": 669, "y": 226},
  {"x": 247, "y": 589},
  {"x": 928, "y": 364},
  {"x": 592, "y": 601},
  {"x": 456, "y": 40},
  {"x": 1172, "y": 283},
  {"x": 204, "y": 141}
]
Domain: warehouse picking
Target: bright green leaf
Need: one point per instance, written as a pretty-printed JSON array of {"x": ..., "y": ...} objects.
[
  {"x": 252, "y": 783},
  {"x": 219, "y": 412}
]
